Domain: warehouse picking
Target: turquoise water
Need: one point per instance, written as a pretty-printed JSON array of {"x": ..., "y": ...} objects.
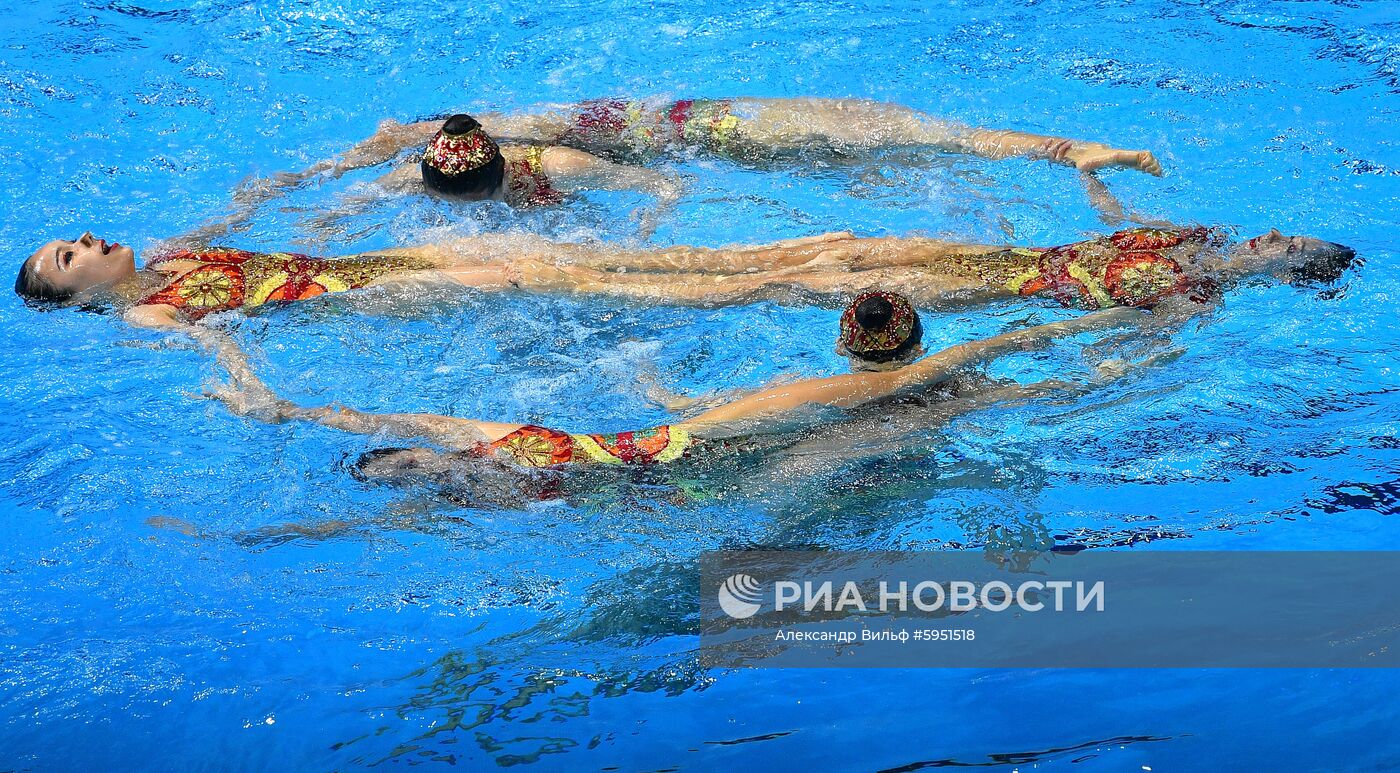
[{"x": 402, "y": 627}]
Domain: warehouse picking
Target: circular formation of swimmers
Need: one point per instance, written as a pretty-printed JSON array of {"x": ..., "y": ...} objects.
[{"x": 541, "y": 158}]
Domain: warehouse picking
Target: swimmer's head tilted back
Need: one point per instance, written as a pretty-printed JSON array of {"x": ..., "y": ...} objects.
[
  {"x": 880, "y": 331},
  {"x": 62, "y": 271},
  {"x": 463, "y": 161},
  {"x": 1291, "y": 258}
]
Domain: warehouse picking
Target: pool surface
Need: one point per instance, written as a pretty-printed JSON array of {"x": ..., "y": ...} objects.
[{"x": 184, "y": 589}]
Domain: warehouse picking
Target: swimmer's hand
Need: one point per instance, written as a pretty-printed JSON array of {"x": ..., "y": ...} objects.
[
  {"x": 255, "y": 190},
  {"x": 1088, "y": 156}
]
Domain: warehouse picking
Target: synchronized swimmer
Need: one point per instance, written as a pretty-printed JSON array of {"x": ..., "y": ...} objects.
[
  {"x": 880, "y": 333},
  {"x": 538, "y": 158}
]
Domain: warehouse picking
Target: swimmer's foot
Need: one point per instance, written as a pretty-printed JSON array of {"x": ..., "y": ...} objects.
[{"x": 1088, "y": 156}]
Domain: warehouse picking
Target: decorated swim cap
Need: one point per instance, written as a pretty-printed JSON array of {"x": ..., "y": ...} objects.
[
  {"x": 460, "y": 146},
  {"x": 878, "y": 326}
]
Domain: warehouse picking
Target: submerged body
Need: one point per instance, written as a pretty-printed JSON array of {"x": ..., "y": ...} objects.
[
  {"x": 751, "y": 128},
  {"x": 1136, "y": 267},
  {"x": 554, "y": 151}
]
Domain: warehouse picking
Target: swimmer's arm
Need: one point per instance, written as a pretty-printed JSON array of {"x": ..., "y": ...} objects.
[
  {"x": 405, "y": 178},
  {"x": 247, "y": 395},
  {"x": 155, "y": 316},
  {"x": 158, "y": 316},
  {"x": 1111, "y": 210},
  {"x": 326, "y": 226},
  {"x": 939, "y": 366},
  {"x": 848, "y": 391},
  {"x": 687, "y": 406},
  {"x": 387, "y": 142},
  {"x": 391, "y": 139}
]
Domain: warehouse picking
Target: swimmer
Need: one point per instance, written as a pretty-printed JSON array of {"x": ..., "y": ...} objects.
[
  {"x": 880, "y": 332},
  {"x": 743, "y": 129},
  {"x": 543, "y": 156},
  {"x": 1139, "y": 267}
]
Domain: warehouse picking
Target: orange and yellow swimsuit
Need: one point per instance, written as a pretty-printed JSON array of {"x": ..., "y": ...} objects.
[
  {"x": 533, "y": 446},
  {"x": 637, "y": 127},
  {"x": 1136, "y": 267},
  {"x": 233, "y": 279},
  {"x": 525, "y": 177}
]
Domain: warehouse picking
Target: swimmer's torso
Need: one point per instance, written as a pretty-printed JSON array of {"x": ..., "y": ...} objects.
[
  {"x": 1136, "y": 267},
  {"x": 533, "y": 446},
  {"x": 641, "y": 128},
  {"x": 223, "y": 279}
]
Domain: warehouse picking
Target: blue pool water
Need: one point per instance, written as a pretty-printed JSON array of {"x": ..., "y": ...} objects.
[{"x": 423, "y": 631}]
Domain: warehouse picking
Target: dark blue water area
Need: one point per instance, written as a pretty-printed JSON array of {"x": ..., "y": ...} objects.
[{"x": 181, "y": 588}]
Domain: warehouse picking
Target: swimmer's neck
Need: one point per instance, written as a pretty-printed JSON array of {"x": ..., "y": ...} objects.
[{"x": 130, "y": 290}]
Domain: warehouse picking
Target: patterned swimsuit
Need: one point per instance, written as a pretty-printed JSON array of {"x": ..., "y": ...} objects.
[
  {"x": 533, "y": 446},
  {"x": 527, "y": 182},
  {"x": 1137, "y": 267},
  {"x": 232, "y": 279},
  {"x": 641, "y": 129}
]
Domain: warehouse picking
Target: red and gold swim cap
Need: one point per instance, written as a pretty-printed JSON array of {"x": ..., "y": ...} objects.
[
  {"x": 877, "y": 324},
  {"x": 454, "y": 154}
]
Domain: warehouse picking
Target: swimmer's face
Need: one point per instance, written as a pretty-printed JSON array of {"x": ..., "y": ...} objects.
[
  {"x": 1296, "y": 258},
  {"x": 81, "y": 264}
]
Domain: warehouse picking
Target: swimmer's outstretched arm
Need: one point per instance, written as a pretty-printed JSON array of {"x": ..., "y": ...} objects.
[
  {"x": 544, "y": 124},
  {"x": 225, "y": 350},
  {"x": 391, "y": 139},
  {"x": 1111, "y": 209},
  {"x": 847, "y": 391},
  {"x": 248, "y": 396}
]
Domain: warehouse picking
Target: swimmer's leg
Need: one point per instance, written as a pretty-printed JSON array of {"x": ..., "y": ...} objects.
[{"x": 862, "y": 125}]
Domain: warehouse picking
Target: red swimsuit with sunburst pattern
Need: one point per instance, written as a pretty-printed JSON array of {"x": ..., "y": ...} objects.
[
  {"x": 228, "y": 279},
  {"x": 1135, "y": 267},
  {"x": 534, "y": 446}
]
